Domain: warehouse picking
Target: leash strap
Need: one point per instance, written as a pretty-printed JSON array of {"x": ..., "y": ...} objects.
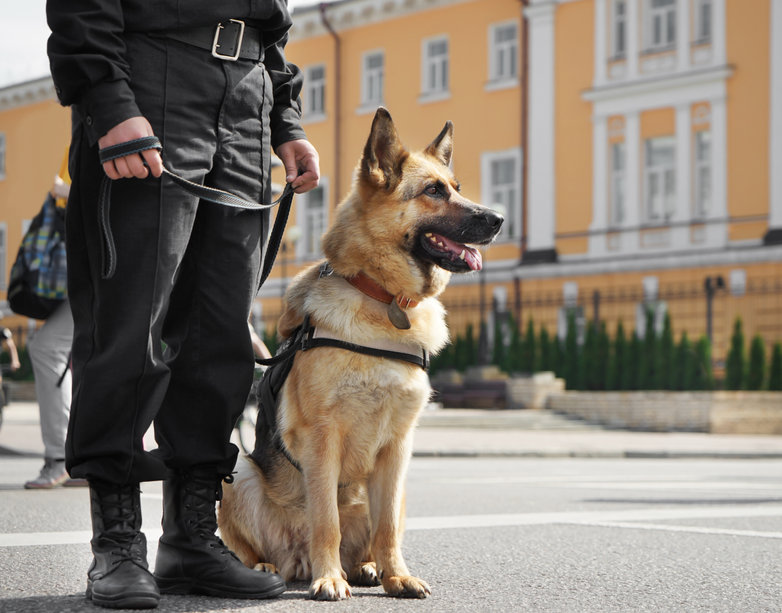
[{"x": 203, "y": 192}]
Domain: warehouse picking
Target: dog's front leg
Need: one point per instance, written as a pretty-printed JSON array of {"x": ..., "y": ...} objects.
[
  {"x": 321, "y": 475},
  {"x": 386, "y": 507}
]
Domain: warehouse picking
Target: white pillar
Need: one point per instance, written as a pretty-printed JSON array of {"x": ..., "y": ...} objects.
[
  {"x": 634, "y": 197},
  {"x": 633, "y": 37},
  {"x": 600, "y": 193},
  {"x": 683, "y": 35},
  {"x": 601, "y": 42},
  {"x": 684, "y": 166},
  {"x": 775, "y": 154},
  {"x": 718, "y": 232},
  {"x": 541, "y": 203},
  {"x": 718, "y": 47}
]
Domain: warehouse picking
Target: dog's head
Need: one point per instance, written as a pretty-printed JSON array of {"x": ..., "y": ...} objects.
[{"x": 406, "y": 215}]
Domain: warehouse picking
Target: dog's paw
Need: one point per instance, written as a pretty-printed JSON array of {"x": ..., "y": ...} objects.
[
  {"x": 364, "y": 575},
  {"x": 266, "y": 567},
  {"x": 406, "y": 587},
  {"x": 329, "y": 588}
]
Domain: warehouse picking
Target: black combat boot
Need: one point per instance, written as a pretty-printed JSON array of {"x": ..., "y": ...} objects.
[
  {"x": 119, "y": 577},
  {"x": 191, "y": 559}
]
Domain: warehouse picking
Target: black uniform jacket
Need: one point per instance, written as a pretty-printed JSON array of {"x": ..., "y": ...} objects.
[{"x": 87, "y": 54}]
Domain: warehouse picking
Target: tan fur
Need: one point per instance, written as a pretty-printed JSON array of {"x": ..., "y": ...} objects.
[{"x": 348, "y": 418}]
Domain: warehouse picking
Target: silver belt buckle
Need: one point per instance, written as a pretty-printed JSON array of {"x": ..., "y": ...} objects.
[{"x": 216, "y": 43}]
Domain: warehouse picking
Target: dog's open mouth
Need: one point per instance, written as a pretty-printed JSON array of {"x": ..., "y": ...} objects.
[{"x": 448, "y": 254}]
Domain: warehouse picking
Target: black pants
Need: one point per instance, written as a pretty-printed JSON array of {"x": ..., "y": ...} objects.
[{"x": 166, "y": 339}]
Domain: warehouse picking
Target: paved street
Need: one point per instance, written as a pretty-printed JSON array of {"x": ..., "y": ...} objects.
[{"x": 494, "y": 534}]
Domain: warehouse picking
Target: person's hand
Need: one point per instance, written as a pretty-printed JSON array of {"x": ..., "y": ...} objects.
[
  {"x": 132, "y": 165},
  {"x": 60, "y": 189},
  {"x": 301, "y": 164},
  {"x": 15, "y": 365}
]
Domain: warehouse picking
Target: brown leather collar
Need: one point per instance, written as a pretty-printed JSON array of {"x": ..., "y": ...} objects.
[{"x": 367, "y": 286}]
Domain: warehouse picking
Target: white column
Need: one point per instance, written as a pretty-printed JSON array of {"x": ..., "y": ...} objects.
[
  {"x": 718, "y": 47},
  {"x": 683, "y": 34},
  {"x": 633, "y": 33},
  {"x": 597, "y": 241},
  {"x": 601, "y": 42},
  {"x": 775, "y": 155},
  {"x": 679, "y": 233},
  {"x": 541, "y": 203},
  {"x": 633, "y": 198},
  {"x": 717, "y": 233}
]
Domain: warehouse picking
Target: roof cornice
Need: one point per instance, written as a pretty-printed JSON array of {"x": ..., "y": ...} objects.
[{"x": 29, "y": 92}]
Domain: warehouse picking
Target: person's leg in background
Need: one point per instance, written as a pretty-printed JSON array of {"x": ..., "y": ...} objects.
[{"x": 50, "y": 350}]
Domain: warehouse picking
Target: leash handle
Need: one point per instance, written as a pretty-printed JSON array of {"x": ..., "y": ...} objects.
[{"x": 203, "y": 192}]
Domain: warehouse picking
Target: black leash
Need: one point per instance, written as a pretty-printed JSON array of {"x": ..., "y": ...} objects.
[{"x": 203, "y": 192}]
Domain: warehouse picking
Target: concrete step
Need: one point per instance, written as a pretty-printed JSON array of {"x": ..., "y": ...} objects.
[{"x": 522, "y": 419}]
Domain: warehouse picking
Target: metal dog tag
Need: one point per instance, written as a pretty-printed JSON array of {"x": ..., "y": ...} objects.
[{"x": 397, "y": 316}]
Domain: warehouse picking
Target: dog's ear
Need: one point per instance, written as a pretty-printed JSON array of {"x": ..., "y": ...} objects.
[
  {"x": 442, "y": 146},
  {"x": 383, "y": 153}
]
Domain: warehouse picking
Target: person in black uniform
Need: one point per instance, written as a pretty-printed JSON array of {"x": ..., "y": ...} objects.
[{"x": 211, "y": 81}]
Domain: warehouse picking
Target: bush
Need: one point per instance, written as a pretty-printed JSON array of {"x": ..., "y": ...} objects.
[
  {"x": 735, "y": 362},
  {"x": 650, "y": 356},
  {"x": 775, "y": 369},
  {"x": 513, "y": 354},
  {"x": 616, "y": 362},
  {"x": 529, "y": 351},
  {"x": 703, "y": 379},
  {"x": 666, "y": 355},
  {"x": 547, "y": 350},
  {"x": 756, "y": 373},
  {"x": 632, "y": 368},
  {"x": 570, "y": 358},
  {"x": 684, "y": 370}
]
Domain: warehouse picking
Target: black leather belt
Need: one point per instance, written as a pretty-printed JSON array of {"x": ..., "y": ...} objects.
[{"x": 229, "y": 40}]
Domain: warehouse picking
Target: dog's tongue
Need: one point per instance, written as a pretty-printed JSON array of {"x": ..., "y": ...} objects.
[{"x": 471, "y": 255}]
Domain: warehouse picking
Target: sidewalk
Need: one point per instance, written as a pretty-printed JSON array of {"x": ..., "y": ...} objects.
[{"x": 475, "y": 433}]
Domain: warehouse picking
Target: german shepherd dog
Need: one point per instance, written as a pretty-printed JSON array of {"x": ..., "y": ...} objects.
[{"x": 326, "y": 503}]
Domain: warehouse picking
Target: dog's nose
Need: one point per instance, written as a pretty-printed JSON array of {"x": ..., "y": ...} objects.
[{"x": 494, "y": 220}]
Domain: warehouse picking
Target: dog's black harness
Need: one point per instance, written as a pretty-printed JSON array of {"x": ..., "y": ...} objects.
[{"x": 304, "y": 338}]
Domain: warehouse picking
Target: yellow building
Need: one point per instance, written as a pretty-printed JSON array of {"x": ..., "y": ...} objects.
[
  {"x": 634, "y": 146},
  {"x": 645, "y": 137},
  {"x": 34, "y": 134}
]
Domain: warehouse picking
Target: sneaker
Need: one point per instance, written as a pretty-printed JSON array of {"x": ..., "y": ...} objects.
[
  {"x": 53, "y": 474},
  {"x": 71, "y": 482}
]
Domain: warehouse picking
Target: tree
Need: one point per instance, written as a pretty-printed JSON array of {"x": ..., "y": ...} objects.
[
  {"x": 650, "y": 356},
  {"x": 756, "y": 373},
  {"x": 666, "y": 357},
  {"x": 499, "y": 352},
  {"x": 703, "y": 378},
  {"x": 684, "y": 370},
  {"x": 513, "y": 355},
  {"x": 570, "y": 357},
  {"x": 529, "y": 350},
  {"x": 775, "y": 369},
  {"x": 631, "y": 374},
  {"x": 546, "y": 350},
  {"x": 616, "y": 363},
  {"x": 735, "y": 362}
]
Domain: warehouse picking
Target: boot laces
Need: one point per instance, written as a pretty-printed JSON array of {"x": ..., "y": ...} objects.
[
  {"x": 200, "y": 500},
  {"x": 119, "y": 520}
]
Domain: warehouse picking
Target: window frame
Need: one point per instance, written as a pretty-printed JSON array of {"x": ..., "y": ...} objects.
[
  {"x": 305, "y": 218},
  {"x": 503, "y": 49},
  {"x": 668, "y": 26},
  {"x": 314, "y": 89},
  {"x": 659, "y": 174},
  {"x": 441, "y": 65},
  {"x": 700, "y": 36},
  {"x": 511, "y": 229},
  {"x": 618, "y": 20},
  {"x": 367, "y": 76},
  {"x": 702, "y": 172},
  {"x": 617, "y": 185}
]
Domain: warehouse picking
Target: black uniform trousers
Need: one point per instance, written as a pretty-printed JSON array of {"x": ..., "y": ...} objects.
[{"x": 165, "y": 340}]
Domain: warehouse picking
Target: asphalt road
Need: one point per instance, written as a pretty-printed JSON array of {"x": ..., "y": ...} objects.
[{"x": 488, "y": 534}]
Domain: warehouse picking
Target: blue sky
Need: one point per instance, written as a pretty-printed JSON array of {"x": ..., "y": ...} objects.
[{"x": 23, "y": 40}]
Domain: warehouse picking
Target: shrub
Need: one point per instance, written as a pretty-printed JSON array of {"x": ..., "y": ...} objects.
[
  {"x": 775, "y": 369},
  {"x": 666, "y": 355},
  {"x": 546, "y": 350},
  {"x": 616, "y": 363},
  {"x": 703, "y": 378},
  {"x": 570, "y": 357},
  {"x": 735, "y": 362},
  {"x": 756, "y": 373}
]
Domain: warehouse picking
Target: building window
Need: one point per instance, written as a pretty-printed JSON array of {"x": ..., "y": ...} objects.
[
  {"x": 313, "y": 208},
  {"x": 2, "y": 156},
  {"x": 619, "y": 28},
  {"x": 660, "y": 179},
  {"x": 503, "y": 52},
  {"x": 372, "y": 79},
  {"x": 618, "y": 164},
  {"x": 661, "y": 24},
  {"x": 501, "y": 180},
  {"x": 434, "y": 70},
  {"x": 703, "y": 21},
  {"x": 702, "y": 173},
  {"x": 314, "y": 97}
]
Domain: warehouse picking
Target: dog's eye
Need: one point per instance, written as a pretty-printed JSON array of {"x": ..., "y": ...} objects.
[
  {"x": 432, "y": 190},
  {"x": 436, "y": 190}
]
